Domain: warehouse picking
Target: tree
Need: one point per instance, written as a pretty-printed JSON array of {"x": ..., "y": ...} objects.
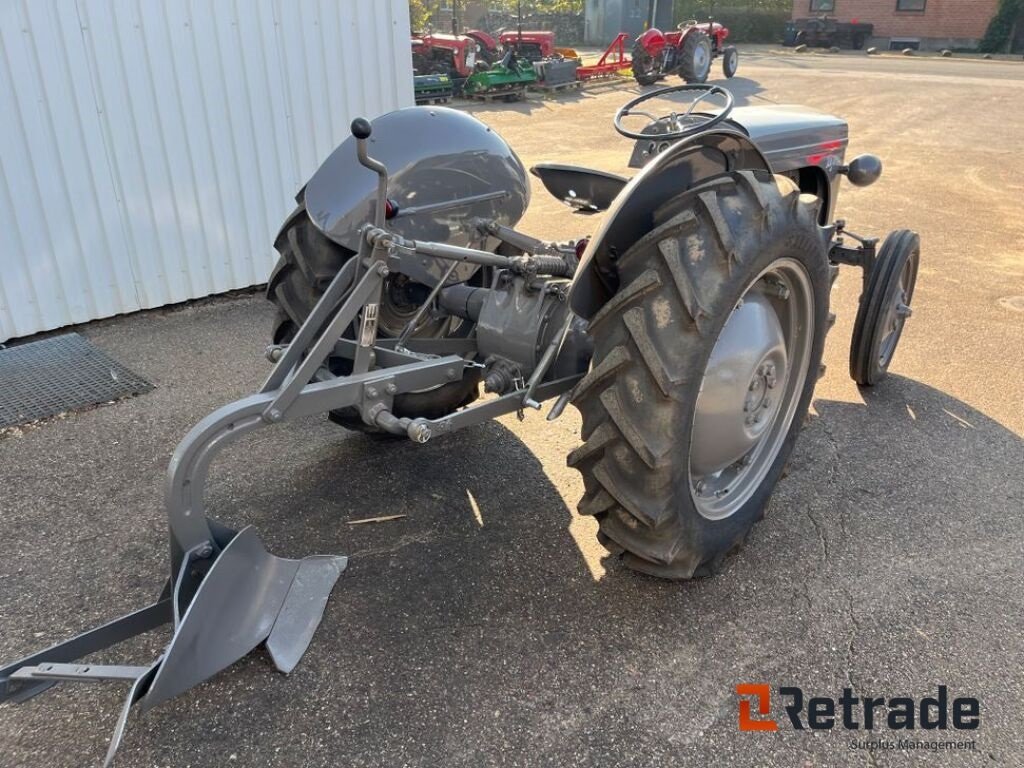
[
  {"x": 419, "y": 14},
  {"x": 1001, "y": 29}
]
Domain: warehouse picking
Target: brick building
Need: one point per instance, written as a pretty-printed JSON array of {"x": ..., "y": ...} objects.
[{"x": 924, "y": 24}]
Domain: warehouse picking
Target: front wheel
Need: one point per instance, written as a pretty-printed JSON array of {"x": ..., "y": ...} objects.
[
  {"x": 884, "y": 307},
  {"x": 704, "y": 364},
  {"x": 730, "y": 61}
]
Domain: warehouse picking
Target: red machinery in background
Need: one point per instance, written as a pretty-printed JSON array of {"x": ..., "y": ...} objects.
[
  {"x": 688, "y": 51},
  {"x": 611, "y": 62}
]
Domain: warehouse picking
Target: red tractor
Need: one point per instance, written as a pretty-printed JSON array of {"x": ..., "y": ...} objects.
[
  {"x": 439, "y": 54},
  {"x": 532, "y": 45},
  {"x": 688, "y": 52}
]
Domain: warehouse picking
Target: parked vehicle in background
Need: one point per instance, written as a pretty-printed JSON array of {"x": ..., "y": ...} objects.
[
  {"x": 688, "y": 52},
  {"x": 531, "y": 45},
  {"x": 441, "y": 54},
  {"x": 827, "y": 32}
]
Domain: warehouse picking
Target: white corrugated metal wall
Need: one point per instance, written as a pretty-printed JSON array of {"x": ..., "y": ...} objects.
[{"x": 149, "y": 149}]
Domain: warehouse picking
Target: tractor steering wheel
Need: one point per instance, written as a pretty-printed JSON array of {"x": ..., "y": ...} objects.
[{"x": 686, "y": 124}]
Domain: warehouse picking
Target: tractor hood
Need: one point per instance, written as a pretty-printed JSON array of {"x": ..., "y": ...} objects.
[
  {"x": 445, "y": 169},
  {"x": 792, "y": 137}
]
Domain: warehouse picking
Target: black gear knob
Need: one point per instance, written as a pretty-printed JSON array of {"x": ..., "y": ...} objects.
[{"x": 361, "y": 128}]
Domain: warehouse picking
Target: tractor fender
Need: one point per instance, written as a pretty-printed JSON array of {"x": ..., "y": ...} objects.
[
  {"x": 653, "y": 41},
  {"x": 631, "y": 216}
]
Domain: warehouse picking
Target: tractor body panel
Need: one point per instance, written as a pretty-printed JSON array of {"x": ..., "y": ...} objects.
[
  {"x": 447, "y": 169},
  {"x": 654, "y": 41},
  {"x": 793, "y": 137}
]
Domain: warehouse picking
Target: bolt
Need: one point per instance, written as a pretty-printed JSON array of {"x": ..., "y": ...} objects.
[
  {"x": 383, "y": 270},
  {"x": 419, "y": 433},
  {"x": 371, "y": 392},
  {"x": 450, "y": 373},
  {"x": 275, "y": 415},
  {"x": 753, "y": 384},
  {"x": 391, "y": 389},
  {"x": 747, "y": 460},
  {"x": 204, "y": 550},
  {"x": 757, "y": 418},
  {"x": 902, "y": 310},
  {"x": 767, "y": 403}
]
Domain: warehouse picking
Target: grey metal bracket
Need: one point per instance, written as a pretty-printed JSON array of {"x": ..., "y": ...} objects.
[{"x": 80, "y": 672}]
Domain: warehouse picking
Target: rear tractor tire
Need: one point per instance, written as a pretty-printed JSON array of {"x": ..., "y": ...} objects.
[
  {"x": 695, "y": 57},
  {"x": 645, "y": 68},
  {"x": 308, "y": 262},
  {"x": 704, "y": 365}
]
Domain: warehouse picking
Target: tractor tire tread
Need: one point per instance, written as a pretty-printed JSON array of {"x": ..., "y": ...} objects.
[{"x": 647, "y": 337}]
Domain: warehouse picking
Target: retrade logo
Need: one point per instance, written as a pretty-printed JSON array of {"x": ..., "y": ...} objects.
[
  {"x": 853, "y": 713},
  {"x": 761, "y": 694}
]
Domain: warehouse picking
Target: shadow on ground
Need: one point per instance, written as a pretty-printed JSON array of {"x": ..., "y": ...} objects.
[{"x": 472, "y": 631}]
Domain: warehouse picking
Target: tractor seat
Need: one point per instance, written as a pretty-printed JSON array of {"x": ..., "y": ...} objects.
[{"x": 585, "y": 189}]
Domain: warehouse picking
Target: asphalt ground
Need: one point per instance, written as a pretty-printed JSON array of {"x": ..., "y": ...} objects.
[{"x": 487, "y": 627}]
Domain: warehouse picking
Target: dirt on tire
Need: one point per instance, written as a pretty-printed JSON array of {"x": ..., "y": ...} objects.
[{"x": 653, "y": 338}]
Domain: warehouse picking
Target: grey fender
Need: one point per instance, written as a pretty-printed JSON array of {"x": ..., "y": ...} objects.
[
  {"x": 631, "y": 215},
  {"x": 446, "y": 170}
]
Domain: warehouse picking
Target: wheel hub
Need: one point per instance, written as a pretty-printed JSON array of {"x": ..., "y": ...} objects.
[
  {"x": 700, "y": 59},
  {"x": 736, "y": 402},
  {"x": 751, "y": 387}
]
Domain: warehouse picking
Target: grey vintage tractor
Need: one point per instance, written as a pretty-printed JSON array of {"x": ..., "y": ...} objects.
[{"x": 687, "y": 329}]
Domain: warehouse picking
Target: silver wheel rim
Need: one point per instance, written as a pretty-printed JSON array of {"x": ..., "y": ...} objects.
[
  {"x": 751, "y": 388},
  {"x": 896, "y": 316},
  {"x": 700, "y": 59}
]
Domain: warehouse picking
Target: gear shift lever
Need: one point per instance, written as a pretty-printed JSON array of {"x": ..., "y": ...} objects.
[{"x": 361, "y": 130}]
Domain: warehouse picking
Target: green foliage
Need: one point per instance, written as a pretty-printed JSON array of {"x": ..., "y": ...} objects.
[
  {"x": 419, "y": 14},
  {"x": 997, "y": 36},
  {"x": 537, "y": 6},
  {"x": 749, "y": 21}
]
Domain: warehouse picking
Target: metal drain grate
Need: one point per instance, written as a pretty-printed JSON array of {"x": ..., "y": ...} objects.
[{"x": 62, "y": 373}]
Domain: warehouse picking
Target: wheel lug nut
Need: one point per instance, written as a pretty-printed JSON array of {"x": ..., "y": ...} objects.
[
  {"x": 767, "y": 403},
  {"x": 701, "y": 486}
]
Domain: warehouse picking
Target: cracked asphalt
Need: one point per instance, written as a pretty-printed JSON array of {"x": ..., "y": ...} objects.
[{"x": 487, "y": 627}]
